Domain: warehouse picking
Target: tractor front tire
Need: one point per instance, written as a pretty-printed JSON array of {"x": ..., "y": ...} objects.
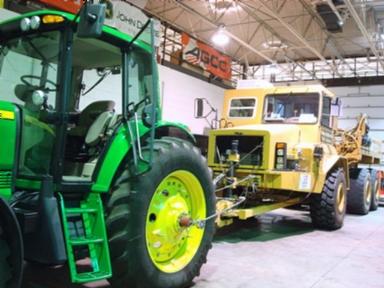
[
  {"x": 11, "y": 248},
  {"x": 375, "y": 185},
  {"x": 150, "y": 240},
  {"x": 328, "y": 208},
  {"x": 359, "y": 196}
]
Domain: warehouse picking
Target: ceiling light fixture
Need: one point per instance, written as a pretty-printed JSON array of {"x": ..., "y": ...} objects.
[
  {"x": 224, "y": 6},
  {"x": 220, "y": 37}
]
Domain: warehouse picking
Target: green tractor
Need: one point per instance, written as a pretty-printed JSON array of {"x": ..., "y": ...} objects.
[{"x": 85, "y": 179}]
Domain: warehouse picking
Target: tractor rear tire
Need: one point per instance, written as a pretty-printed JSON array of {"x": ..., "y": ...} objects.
[
  {"x": 328, "y": 208},
  {"x": 359, "y": 196},
  {"x": 375, "y": 185},
  {"x": 5, "y": 268},
  {"x": 149, "y": 246}
]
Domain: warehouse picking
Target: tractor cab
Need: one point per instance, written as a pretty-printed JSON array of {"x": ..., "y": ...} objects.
[{"x": 61, "y": 83}]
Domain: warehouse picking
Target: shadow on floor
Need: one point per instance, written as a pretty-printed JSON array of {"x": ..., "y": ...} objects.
[
  {"x": 267, "y": 227},
  {"x": 38, "y": 276}
]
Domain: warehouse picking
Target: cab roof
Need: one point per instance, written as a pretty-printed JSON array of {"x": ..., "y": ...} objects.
[
  {"x": 107, "y": 30},
  {"x": 301, "y": 89}
]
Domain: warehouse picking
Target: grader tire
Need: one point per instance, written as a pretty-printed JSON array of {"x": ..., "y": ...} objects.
[
  {"x": 328, "y": 208},
  {"x": 375, "y": 185},
  {"x": 359, "y": 196},
  {"x": 150, "y": 247}
]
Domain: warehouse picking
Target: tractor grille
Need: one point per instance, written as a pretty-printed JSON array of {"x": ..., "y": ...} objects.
[
  {"x": 247, "y": 144},
  {"x": 5, "y": 179}
]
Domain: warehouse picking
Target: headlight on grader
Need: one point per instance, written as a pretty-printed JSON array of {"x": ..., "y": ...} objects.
[{"x": 281, "y": 156}]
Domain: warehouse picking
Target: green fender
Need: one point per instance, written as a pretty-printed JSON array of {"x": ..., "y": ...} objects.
[{"x": 120, "y": 146}]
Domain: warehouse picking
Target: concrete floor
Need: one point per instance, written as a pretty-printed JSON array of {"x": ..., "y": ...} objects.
[{"x": 280, "y": 249}]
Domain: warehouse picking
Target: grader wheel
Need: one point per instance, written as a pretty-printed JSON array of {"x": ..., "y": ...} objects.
[
  {"x": 375, "y": 185},
  {"x": 328, "y": 208},
  {"x": 360, "y": 194}
]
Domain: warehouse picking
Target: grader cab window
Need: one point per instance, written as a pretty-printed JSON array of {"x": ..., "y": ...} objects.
[
  {"x": 326, "y": 112},
  {"x": 301, "y": 108},
  {"x": 242, "y": 108}
]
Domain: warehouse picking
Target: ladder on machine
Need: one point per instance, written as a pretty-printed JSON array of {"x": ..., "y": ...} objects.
[{"x": 94, "y": 239}]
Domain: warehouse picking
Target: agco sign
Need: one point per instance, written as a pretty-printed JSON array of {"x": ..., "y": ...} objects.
[
  {"x": 72, "y": 6},
  {"x": 211, "y": 60}
]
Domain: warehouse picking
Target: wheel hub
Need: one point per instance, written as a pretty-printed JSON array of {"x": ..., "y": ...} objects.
[
  {"x": 367, "y": 193},
  {"x": 340, "y": 198}
]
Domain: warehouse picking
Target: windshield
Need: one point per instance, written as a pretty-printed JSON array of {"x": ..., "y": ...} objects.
[
  {"x": 301, "y": 108},
  {"x": 27, "y": 64},
  {"x": 28, "y": 77}
]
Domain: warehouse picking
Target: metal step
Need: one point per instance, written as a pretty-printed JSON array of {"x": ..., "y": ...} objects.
[{"x": 95, "y": 239}]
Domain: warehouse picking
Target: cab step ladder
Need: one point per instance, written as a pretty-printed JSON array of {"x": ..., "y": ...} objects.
[{"x": 94, "y": 239}]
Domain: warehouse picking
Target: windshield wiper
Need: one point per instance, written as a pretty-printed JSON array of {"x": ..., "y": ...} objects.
[{"x": 101, "y": 79}]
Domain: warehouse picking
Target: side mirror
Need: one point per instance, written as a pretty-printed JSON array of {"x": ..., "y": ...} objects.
[
  {"x": 91, "y": 22},
  {"x": 147, "y": 116},
  {"x": 199, "y": 108},
  {"x": 336, "y": 108}
]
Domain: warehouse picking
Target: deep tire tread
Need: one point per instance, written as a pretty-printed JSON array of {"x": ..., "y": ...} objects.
[
  {"x": 124, "y": 245},
  {"x": 356, "y": 203},
  {"x": 324, "y": 213}
]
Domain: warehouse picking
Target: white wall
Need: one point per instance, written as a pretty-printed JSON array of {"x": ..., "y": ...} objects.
[
  {"x": 362, "y": 99},
  {"x": 179, "y": 91},
  {"x": 6, "y": 14}
]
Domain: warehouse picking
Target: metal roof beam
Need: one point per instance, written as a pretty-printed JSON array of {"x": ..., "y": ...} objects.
[
  {"x": 229, "y": 34},
  {"x": 331, "y": 43},
  {"x": 297, "y": 35},
  {"x": 363, "y": 31}
]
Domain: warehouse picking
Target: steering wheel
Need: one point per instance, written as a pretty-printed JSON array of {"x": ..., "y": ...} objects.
[{"x": 27, "y": 78}]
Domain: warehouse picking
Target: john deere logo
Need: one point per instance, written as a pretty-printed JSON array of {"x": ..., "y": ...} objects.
[{"x": 133, "y": 22}]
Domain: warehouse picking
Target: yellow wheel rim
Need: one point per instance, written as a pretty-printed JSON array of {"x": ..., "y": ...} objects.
[
  {"x": 170, "y": 244},
  {"x": 340, "y": 198},
  {"x": 377, "y": 189},
  {"x": 367, "y": 192}
]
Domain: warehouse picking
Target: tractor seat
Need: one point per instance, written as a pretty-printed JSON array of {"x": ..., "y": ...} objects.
[
  {"x": 89, "y": 115},
  {"x": 98, "y": 129}
]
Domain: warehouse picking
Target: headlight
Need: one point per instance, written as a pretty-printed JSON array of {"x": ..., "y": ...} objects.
[
  {"x": 25, "y": 24},
  {"x": 35, "y": 22},
  {"x": 281, "y": 156}
]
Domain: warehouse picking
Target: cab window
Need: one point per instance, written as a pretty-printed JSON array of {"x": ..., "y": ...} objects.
[
  {"x": 326, "y": 112},
  {"x": 242, "y": 108}
]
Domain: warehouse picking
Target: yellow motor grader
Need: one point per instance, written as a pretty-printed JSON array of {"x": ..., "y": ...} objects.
[{"x": 280, "y": 147}]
